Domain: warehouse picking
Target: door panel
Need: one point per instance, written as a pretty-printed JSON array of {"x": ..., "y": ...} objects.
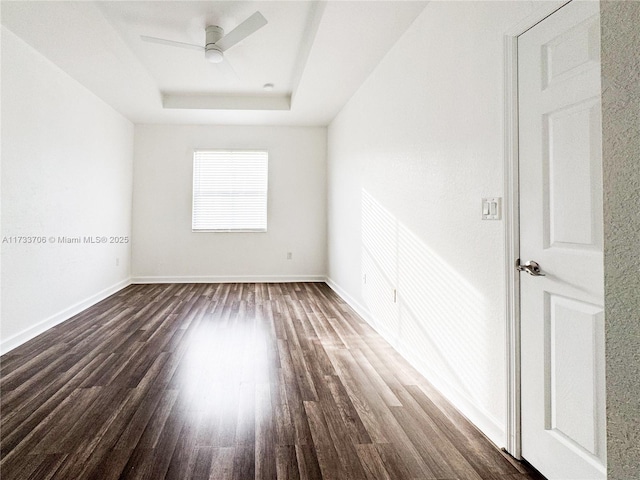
[
  {"x": 571, "y": 217},
  {"x": 562, "y": 319},
  {"x": 574, "y": 343},
  {"x": 571, "y": 52}
]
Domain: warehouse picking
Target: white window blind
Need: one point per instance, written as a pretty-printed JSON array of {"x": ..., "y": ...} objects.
[{"x": 230, "y": 190}]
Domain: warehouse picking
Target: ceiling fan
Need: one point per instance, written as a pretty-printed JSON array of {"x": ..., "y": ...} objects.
[{"x": 216, "y": 41}]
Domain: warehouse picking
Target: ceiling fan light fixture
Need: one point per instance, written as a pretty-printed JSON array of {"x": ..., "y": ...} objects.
[
  {"x": 213, "y": 54},
  {"x": 216, "y": 41}
]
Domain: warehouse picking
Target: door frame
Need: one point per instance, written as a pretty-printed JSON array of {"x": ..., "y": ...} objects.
[{"x": 511, "y": 212}]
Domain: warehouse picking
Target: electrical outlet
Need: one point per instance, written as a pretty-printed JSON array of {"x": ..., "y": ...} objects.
[
  {"x": 289, "y": 255},
  {"x": 364, "y": 278},
  {"x": 117, "y": 262},
  {"x": 395, "y": 296}
]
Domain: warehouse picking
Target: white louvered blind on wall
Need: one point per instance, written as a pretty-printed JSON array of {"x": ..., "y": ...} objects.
[{"x": 230, "y": 190}]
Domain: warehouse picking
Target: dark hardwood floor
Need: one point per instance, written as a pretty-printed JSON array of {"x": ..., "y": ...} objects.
[{"x": 229, "y": 381}]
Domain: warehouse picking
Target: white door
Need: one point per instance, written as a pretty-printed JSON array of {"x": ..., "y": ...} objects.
[{"x": 560, "y": 183}]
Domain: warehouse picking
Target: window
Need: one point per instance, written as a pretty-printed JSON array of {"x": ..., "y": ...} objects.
[{"x": 229, "y": 191}]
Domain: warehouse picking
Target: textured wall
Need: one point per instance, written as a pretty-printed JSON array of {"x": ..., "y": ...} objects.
[{"x": 621, "y": 157}]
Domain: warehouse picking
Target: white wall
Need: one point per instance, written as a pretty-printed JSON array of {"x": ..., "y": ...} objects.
[
  {"x": 66, "y": 171},
  {"x": 165, "y": 248},
  {"x": 409, "y": 159}
]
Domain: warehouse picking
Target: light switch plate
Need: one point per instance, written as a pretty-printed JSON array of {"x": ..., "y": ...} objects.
[{"x": 492, "y": 208}]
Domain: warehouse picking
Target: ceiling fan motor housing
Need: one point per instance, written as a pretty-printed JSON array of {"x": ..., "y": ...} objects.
[{"x": 212, "y": 52}]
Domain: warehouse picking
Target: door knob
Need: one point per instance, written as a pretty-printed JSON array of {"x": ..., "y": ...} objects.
[{"x": 531, "y": 267}]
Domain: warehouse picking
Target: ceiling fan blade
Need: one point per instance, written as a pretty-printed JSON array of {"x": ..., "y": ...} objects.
[
  {"x": 228, "y": 71},
  {"x": 172, "y": 43},
  {"x": 242, "y": 31}
]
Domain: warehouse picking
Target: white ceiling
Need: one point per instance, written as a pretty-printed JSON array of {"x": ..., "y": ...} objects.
[{"x": 316, "y": 54}]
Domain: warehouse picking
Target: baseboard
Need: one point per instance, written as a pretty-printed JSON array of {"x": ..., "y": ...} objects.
[
  {"x": 230, "y": 279},
  {"x": 484, "y": 421},
  {"x": 35, "y": 330},
  {"x": 352, "y": 302}
]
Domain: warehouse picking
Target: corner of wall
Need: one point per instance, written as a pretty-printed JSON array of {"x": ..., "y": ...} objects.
[
  {"x": 483, "y": 420},
  {"x": 34, "y": 330}
]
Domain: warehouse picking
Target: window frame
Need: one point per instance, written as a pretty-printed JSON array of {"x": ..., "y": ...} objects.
[{"x": 266, "y": 190}]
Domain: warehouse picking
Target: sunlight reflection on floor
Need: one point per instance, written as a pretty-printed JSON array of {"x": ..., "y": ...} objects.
[{"x": 226, "y": 368}]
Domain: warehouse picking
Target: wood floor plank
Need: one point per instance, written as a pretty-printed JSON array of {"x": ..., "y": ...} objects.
[
  {"x": 163, "y": 453},
  {"x": 47, "y": 467},
  {"x": 229, "y": 382},
  {"x": 308, "y": 464},
  {"x": 287, "y": 463},
  {"x": 25, "y": 394},
  {"x": 349, "y": 460},
  {"x": 28, "y": 367},
  {"x": 293, "y": 396},
  {"x": 85, "y": 460},
  {"x": 481, "y": 453},
  {"x": 202, "y": 464},
  {"x": 350, "y": 418},
  {"x": 24, "y": 435},
  {"x": 376, "y": 379},
  {"x": 185, "y": 454},
  {"x": 372, "y": 463},
  {"x": 445, "y": 459},
  {"x": 157, "y": 420},
  {"x": 328, "y": 459},
  {"x": 222, "y": 463},
  {"x": 138, "y": 421},
  {"x": 361, "y": 394},
  {"x": 265, "y": 434},
  {"x": 244, "y": 462},
  {"x": 285, "y": 430}
]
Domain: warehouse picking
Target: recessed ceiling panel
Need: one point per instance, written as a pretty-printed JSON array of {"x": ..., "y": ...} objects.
[
  {"x": 266, "y": 56},
  {"x": 314, "y": 53}
]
